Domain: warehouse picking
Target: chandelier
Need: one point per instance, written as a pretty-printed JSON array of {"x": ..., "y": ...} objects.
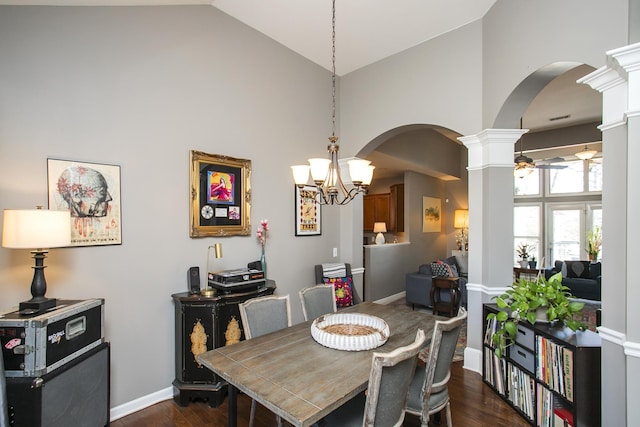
[
  {"x": 586, "y": 154},
  {"x": 325, "y": 173}
]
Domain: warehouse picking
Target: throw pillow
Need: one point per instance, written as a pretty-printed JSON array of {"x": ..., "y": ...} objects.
[
  {"x": 344, "y": 291},
  {"x": 442, "y": 269},
  {"x": 578, "y": 269},
  {"x": 453, "y": 264}
]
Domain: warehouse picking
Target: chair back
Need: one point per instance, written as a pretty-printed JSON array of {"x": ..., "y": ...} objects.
[
  {"x": 389, "y": 381},
  {"x": 336, "y": 270},
  {"x": 264, "y": 315},
  {"x": 318, "y": 300},
  {"x": 437, "y": 372}
]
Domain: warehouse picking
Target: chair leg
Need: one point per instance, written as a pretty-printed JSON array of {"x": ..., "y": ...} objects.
[
  {"x": 449, "y": 422},
  {"x": 252, "y": 414},
  {"x": 279, "y": 420}
]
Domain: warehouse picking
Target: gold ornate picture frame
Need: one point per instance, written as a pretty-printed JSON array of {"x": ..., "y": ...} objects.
[{"x": 220, "y": 201}]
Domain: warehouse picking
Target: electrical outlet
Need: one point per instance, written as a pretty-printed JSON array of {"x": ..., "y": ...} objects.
[{"x": 335, "y": 252}]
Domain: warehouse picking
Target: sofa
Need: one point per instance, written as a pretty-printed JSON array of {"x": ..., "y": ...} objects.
[
  {"x": 418, "y": 284},
  {"x": 583, "y": 278}
]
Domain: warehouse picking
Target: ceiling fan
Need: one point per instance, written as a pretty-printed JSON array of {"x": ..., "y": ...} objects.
[{"x": 524, "y": 165}]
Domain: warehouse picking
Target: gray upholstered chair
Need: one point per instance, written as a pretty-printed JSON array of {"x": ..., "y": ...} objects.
[
  {"x": 261, "y": 316},
  {"x": 428, "y": 393},
  {"x": 389, "y": 381},
  {"x": 317, "y": 300}
]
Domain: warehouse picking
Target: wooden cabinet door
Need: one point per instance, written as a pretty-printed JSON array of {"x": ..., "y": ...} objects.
[
  {"x": 375, "y": 209},
  {"x": 368, "y": 208},
  {"x": 396, "y": 212}
]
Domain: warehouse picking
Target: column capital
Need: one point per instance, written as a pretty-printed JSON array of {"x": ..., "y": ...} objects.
[{"x": 492, "y": 147}]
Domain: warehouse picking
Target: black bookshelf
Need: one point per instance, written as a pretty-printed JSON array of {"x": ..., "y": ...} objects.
[{"x": 550, "y": 375}]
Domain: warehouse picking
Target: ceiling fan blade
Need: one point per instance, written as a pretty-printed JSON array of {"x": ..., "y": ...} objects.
[{"x": 551, "y": 166}]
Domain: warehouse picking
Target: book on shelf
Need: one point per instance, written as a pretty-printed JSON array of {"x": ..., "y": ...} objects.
[
  {"x": 562, "y": 417},
  {"x": 567, "y": 356}
]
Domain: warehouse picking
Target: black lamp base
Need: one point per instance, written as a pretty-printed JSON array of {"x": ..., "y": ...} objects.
[{"x": 36, "y": 305}]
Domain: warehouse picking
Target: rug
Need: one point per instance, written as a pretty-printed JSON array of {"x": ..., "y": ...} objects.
[{"x": 401, "y": 303}]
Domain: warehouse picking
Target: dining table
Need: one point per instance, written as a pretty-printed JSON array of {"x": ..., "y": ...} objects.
[{"x": 297, "y": 378}]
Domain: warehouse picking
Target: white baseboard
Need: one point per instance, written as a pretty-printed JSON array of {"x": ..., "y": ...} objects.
[
  {"x": 473, "y": 360},
  {"x": 141, "y": 403}
]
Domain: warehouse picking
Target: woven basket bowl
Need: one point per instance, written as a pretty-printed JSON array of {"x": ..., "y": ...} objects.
[{"x": 350, "y": 331}]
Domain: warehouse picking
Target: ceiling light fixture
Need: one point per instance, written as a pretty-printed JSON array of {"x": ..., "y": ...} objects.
[
  {"x": 325, "y": 173},
  {"x": 586, "y": 154},
  {"x": 524, "y": 165}
]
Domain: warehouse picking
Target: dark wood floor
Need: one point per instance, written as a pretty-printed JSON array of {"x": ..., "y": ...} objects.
[{"x": 473, "y": 404}]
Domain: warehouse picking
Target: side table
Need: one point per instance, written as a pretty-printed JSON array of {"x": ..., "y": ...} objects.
[
  {"x": 201, "y": 324},
  {"x": 451, "y": 284}
]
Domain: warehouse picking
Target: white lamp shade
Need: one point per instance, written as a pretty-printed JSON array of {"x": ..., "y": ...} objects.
[
  {"x": 379, "y": 227},
  {"x": 461, "y": 218},
  {"x": 319, "y": 169},
  {"x": 586, "y": 154},
  {"x": 358, "y": 169},
  {"x": 300, "y": 174},
  {"x": 35, "y": 229}
]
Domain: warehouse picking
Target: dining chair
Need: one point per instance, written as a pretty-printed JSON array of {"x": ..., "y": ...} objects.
[
  {"x": 384, "y": 401},
  {"x": 428, "y": 393},
  {"x": 318, "y": 300},
  {"x": 261, "y": 316}
]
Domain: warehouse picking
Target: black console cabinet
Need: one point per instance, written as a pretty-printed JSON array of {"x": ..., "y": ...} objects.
[{"x": 202, "y": 324}]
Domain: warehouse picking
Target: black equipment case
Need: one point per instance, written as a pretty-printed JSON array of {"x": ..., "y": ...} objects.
[{"x": 34, "y": 345}]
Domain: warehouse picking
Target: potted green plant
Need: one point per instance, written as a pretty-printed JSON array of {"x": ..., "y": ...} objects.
[
  {"x": 533, "y": 300},
  {"x": 594, "y": 243},
  {"x": 523, "y": 252}
]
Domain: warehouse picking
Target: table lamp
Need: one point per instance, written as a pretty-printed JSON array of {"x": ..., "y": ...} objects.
[
  {"x": 217, "y": 253},
  {"x": 36, "y": 229},
  {"x": 380, "y": 227},
  {"x": 461, "y": 221}
]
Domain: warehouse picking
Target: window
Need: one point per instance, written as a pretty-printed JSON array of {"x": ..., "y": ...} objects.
[
  {"x": 556, "y": 221},
  {"x": 526, "y": 229}
]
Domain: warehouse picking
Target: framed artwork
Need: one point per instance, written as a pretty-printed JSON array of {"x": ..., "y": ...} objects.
[
  {"x": 91, "y": 193},
  {"x": 308, "y": 213},
  {"x": 220, "y": 195},
  {"x": 431, "y": 217}
]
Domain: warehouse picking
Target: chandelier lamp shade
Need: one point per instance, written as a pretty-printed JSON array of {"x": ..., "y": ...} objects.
[
  {"x": 36, "y": 229},
  {"x": 586, "y": 154},
  {"x": 325, "y": 172}
]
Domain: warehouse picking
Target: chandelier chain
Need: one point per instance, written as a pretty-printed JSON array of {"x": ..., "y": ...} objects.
[{"x": 333, "y": 70}]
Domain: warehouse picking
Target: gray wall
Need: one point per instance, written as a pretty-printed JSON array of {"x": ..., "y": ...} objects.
[{"x": 139, "y": 87}]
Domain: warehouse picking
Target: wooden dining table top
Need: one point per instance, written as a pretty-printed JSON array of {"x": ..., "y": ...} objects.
[{"x": 302, "y": 381}]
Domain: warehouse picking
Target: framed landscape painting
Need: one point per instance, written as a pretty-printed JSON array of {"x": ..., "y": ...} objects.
[{"x": 431, "y": 215}]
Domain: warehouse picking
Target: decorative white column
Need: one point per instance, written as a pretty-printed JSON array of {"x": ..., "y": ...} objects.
[
  {"x": 619, "y": 83},
  {"x": 490, "y": 226}
]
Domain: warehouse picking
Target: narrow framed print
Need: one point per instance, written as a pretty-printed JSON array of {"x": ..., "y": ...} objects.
[
  {"x": 308, "y": 213},
  {"x": 220, "y": 199},
  {"x": 431, "y": 221},
  {"x": 91, "y": 193}
]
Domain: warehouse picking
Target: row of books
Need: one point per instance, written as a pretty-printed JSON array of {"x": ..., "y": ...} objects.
[
  {"x": 492, "y": 327},
  {"x": 493, "y": 371},
  {"x": 555, "y": 366},
  {"x": 550, "y": 412},
  {"x": 521, "y": 390}
]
